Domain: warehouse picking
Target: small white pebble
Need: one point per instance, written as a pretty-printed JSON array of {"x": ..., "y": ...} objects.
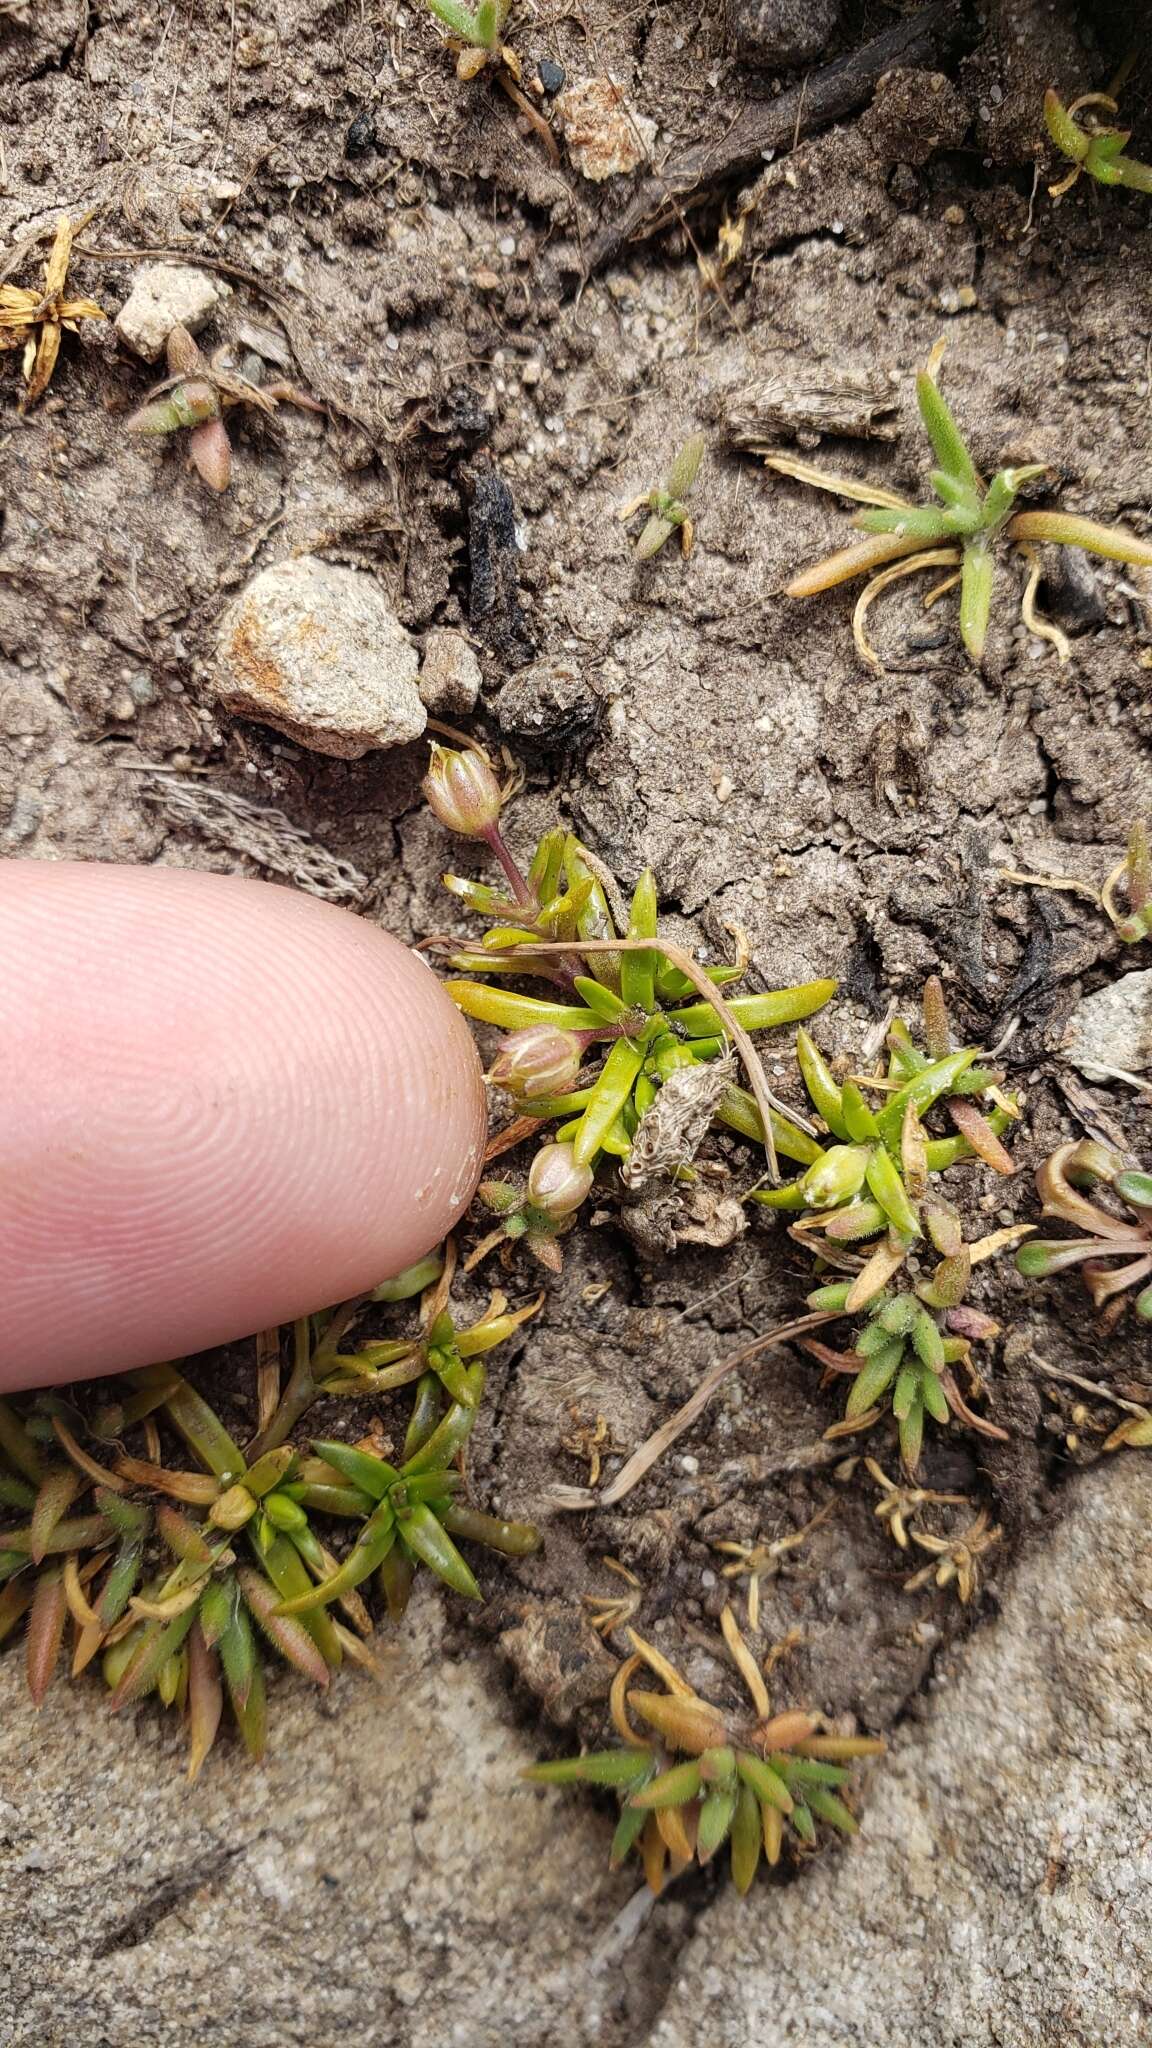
[{"x": 689, "y": 1464}]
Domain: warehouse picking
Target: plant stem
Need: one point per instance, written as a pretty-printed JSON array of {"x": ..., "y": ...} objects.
[
  {"x": 519, "y": 887},
  {"x": 302, "y": 1388}
]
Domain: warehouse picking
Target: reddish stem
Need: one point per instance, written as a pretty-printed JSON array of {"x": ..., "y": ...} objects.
[{"x": 516, "y": 882}]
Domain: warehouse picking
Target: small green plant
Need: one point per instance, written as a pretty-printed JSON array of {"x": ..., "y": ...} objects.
[
  {"x": 875, "y": 1183},
  {"x": 667, "y": 511},
  {"x": 875, "y": 1187},
  {"x": 962, "y": 535},
  {"x": 193, "y": 399},
  {"x": 751, "y": 1782},
  {"x": 623, "y": 995},
  {"x": 1134, "y": 876},
  {"x": 476, "y": 35},
  {"x": 1092, "y": 147},
  {"x": 1104, "y": 1234},
  {"x": 174, "y": 1576},
  {"x": 902, "y": 1360}
]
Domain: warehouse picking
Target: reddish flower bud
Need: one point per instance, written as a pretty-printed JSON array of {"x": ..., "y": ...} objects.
[
  {"x": 540, "y": 1060},
  {"x": 556, "y": 1184},
  {"x": 211, "y": 453},
  {"x": 463, "y": 791}
]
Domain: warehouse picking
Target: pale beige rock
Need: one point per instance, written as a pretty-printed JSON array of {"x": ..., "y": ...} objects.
[
  {"x": 449, "y": 680},
  {"x": 317, "y": 652},
  {"x": 164, "y": 296},
  {"x": 384, "y": 1880},
  {"x": 1110, "y": 1031}
]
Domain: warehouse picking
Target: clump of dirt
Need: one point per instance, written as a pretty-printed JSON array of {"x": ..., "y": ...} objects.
[{"x": 396, "y": 240}]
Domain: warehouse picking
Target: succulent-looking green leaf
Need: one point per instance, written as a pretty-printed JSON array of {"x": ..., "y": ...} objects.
[
  {"x": 609, "y": 1094},
  {"x": 826, "y": 1806},
  {"x": 629, "y": 1827},
  {"x": 823, "y": 1089},
  {"x": 746, "y": 1839},
  {"x": 766, "y": 1783},
  {"x": 886, "y": 1185},
  {"x": 423, "y": 1534},
  {"x": 873, "y": 1380},
  {"x": 629, "y": 1767},
  {"x": 512, "y": 1539},
  {"x": 757, "y": 1013},
  {"x": 948, "y": 443},
  {"x": 361, "y": 1469},
  {"x": 458, "y": 19},
  {"x": 159, "y": 1641},
  {"x": 716, "y": 1815},
  {"x": 674, "y": 1787},
  {"x": 685, "y": 467}
]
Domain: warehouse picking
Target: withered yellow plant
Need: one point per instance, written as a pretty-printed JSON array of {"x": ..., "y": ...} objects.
[
  {"x": 35, "y": 320},
  {"x": 956, "y": 1558},
  {"x": 753, "y": 1781}
]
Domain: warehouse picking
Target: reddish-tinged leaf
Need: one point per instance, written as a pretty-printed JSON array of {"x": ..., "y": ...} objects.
[
  {"x": 58, "y": 1490},
  {"x": 184, "y": 1537},
  {"x": 980, "y": 1135},
  {"x": 159, "y": 1642},
  {"x": 45, "y": 1631},
  {"x": 205, "y": 1700},
  {"x": 286, "y": 1635},
  {"x": 251, "y": 1712}
]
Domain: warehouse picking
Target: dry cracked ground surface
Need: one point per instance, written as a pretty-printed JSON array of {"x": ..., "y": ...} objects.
[{"x": 396, "y": 243}]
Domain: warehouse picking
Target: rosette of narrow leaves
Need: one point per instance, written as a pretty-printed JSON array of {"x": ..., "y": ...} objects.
[
  {"x": 410, "y": 1512},
  {"x": 193, "y": 399},
  {"x": 193, "y": 1638},
  {"x": 177, "y": 1576},
  {"x": 962, "y": 534},
  {"x": 667, "y": 512},
  {"x": 633, "y": 1016},
  {"x": 903, "y": 1360},
  {"x": 699, "y": 1777},
  {"x": 1103, "y": 1235},
  {"x": 1093, "y": 147},
  {"x": 874, "y": 1186}
]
